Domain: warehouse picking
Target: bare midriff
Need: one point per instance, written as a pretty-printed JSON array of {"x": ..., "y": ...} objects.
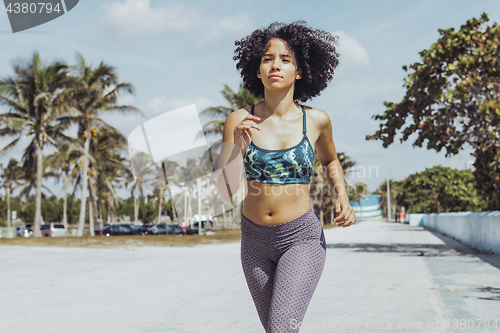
[{"x": 271, "y": 204}]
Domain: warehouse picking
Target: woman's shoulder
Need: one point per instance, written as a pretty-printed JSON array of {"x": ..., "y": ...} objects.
[
  {"x": 239, "y": 115},
  {"x": 318, "y": 116}
]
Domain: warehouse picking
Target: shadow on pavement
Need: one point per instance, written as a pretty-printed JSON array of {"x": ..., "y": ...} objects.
[
  {"x": 492, "y": 259},
  {"x": 404, "y": 248},
  {"x": 451, "y": 247}
]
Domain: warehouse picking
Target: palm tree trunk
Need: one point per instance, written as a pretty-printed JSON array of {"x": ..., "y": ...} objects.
[
  {"x": 92, "y": 208},
  {"x": 237, "y": 216},
  {"x": 185, "y": 210},
  {"x": 136, "y": 210},
  {"x": 159, "y": 203},
  {"x": 101, "y": 215},
  {"x": 8, "y": 206},
  {"x": 111, "y": 210},
  {"x": 190, "y": 210},
  {"x": 65, "y": 211},
  {"x": 174, "y": 213},
  {"x": 136, "y": 206},
  {"x": 38, "y": 204},
  {"x": 224, "y": 215},
  {"x": 108, "y": 212},
  {"x": 91, "y": 215},
  {"x": 65, "y": 204},
  {"x": 232, "y": 217},
  {"x": 81, "y": 221}
]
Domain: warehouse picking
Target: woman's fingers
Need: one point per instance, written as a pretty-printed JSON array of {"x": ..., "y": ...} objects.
[
  {"x": 349, "y": 220},
  {"x": 343, "y": 212},
  {"x": 248, "y": 135},
  {"x": 347, "y": 215},
  {"x": 250, "y": 117},
  {"x": 252, "y": 120}
]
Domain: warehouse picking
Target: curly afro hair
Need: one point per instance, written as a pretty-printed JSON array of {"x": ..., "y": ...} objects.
[{"x": 315, "y": 53}]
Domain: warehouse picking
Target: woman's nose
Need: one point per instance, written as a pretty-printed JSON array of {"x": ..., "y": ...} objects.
[{"x": 275, "y": 64}]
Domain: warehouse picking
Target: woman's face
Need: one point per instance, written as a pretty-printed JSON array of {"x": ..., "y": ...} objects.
[{"x": 278, "y": 67}]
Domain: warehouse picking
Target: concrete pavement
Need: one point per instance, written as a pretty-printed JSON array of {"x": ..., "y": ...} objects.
[{"x": 378, "y": 277}]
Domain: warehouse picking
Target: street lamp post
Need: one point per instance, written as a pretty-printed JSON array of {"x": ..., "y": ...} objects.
[{"x": 198, "y": 187}]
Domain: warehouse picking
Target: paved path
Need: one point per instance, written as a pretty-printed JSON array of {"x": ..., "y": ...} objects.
[{"x": 378, "y": 276}]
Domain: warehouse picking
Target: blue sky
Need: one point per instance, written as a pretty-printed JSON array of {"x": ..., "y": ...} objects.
[{"x": 180, "y": 53}]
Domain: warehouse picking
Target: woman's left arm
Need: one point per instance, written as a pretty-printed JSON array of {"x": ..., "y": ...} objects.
[{"x": 325, "y": 149}]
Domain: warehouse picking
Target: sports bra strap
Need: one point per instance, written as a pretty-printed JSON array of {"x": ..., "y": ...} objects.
[{"x": 303, "y": 118}]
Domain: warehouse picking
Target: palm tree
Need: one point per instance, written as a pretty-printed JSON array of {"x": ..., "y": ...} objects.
[
  {"x": 236, "y": 101},
  {"x": 86, "y": 103},
  {"x": 61, "y": 162},
  {"x": 185, "y": 177},
  {"x": 345, "y": 162},
  {"x": 321, "y": 193},
  {"x": 30, "y": 96},
  {"x": 11, "y": 176},
  {"x": 109, "y": 169},
  {"x": 139, "y": 163}
]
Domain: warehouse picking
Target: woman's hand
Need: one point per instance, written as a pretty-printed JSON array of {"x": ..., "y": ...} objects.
[
  {"x": 243, "y": 134},
  {"x": 346, "y": 217}
]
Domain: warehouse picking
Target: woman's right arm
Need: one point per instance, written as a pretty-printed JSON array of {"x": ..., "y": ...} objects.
[{"x": 235, "y": 139}]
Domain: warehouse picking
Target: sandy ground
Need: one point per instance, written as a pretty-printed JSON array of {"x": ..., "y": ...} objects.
[{"x": 378, "y": 277}]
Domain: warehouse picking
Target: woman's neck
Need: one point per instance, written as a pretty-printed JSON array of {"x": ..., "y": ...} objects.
[{"x": 279, "y": 105}]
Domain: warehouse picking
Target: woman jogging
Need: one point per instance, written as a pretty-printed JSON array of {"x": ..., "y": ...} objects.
[{"x": 283, "y": 247}]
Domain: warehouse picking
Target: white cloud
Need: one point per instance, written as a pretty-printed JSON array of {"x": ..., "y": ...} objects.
[
  {"x": 160, "y": 105},
  {"x": 352, "y": 53},
  {"x": 235, "y": 25},
  {"x": 157, "y": 106},
  {"x": 137, "y": 18}
]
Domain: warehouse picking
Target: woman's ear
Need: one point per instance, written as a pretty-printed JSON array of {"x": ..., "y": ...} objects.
[
  {"x": 299, "y": 75},
  {"x": 258, "y": 73}
]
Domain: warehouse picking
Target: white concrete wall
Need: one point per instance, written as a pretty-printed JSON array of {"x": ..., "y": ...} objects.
[{"x": 477, "y": 230}]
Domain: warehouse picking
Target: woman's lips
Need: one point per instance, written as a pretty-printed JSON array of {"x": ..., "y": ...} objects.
[{"x": 275, "y": 77}]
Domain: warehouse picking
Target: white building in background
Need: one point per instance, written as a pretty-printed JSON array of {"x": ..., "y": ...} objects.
[{"x": 368, "y": 208}]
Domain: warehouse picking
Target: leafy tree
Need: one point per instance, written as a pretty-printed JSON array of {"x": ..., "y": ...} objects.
[
  {"x": 382, "y": 191},
  {"x": 356, "y": 191},
  {"x": 438, "y": 190},
  {"x": 148, "y": 211},
  {"x": 452, "y": 99}
]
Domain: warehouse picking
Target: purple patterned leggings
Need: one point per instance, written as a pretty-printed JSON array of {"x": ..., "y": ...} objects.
[{"x": 282, "y": 265}]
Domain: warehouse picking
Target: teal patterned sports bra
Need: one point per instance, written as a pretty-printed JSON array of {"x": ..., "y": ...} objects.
[{"x": 283, "y": 166}]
